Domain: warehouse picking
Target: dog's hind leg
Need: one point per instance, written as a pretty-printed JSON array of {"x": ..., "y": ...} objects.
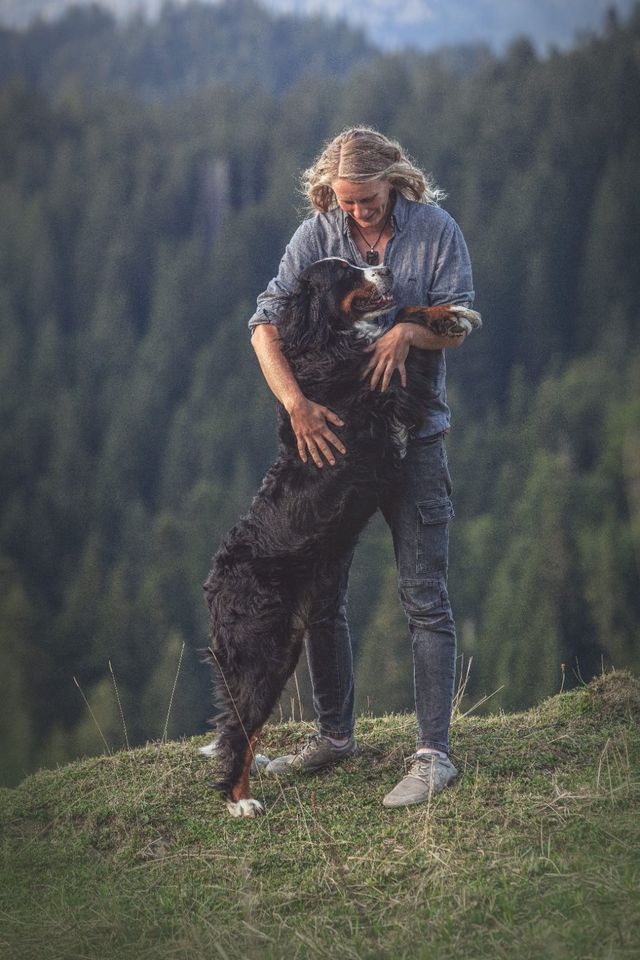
[
  {"x": 235, "y": 749},
  {"x": 250, "y": 697},
  {"x": 241, "y": 803}
]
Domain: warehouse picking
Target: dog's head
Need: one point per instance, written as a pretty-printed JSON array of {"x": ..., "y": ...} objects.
[
  {"x": 349, "y": 293},
  {"x": 333, "y": 295}
]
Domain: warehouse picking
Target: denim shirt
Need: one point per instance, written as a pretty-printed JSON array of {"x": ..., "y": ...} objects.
[{"x": 427, "y": 256}]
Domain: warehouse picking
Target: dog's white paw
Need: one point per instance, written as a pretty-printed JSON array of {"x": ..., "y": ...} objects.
[
  {"x": 209, "y": 750},
  {"x": 245, "y": 808},
  {"x": 461, "y": 326},
  {"x": 466, "y": 320}
]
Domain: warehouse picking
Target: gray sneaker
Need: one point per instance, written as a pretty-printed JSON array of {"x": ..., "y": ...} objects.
[
  {"x": 428, "y": 775},
  {"x": 317, "y": 753}
]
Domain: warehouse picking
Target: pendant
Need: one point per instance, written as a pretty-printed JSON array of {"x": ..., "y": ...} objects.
[{"x": 373, "y": 258}]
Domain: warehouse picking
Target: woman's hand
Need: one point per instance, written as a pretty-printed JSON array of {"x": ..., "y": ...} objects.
[
  {"x": 310, "y": 423},
  {"x": 388, "y": 354}
]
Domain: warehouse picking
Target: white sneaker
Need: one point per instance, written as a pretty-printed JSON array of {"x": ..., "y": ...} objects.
[{"x": 428, "y": 775}]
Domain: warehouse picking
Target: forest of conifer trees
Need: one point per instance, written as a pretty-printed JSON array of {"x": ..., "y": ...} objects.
[{"x": 144, "y": 210}]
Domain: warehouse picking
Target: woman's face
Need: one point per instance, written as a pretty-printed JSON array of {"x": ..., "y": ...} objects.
[{"x": 367, "y": 203}]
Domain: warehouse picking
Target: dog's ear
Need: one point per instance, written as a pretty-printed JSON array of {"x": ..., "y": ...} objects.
[{"x": 304, "y": 324}]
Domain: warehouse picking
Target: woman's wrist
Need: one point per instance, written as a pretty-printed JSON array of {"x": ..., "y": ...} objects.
[
  {"x": 408, "y": 331},
  {"x": 292, "y": 399}
]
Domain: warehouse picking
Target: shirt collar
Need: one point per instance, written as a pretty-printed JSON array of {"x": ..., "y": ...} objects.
[
  {"x": 400, "y": 212},
  {"x": 345, "y": 225}
]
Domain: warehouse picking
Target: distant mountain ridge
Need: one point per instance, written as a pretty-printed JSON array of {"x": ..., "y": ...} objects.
[{"x": 425, "y": 24}]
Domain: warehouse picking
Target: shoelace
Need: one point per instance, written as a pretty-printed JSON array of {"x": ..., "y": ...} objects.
[
  {"x": 420, "y": 758},
  {"x": 310, "y": 740}
]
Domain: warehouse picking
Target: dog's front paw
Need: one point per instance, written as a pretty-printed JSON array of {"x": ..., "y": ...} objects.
[
  {"x": 462, "y": 320},
  {"x": 245, "y": 808}
]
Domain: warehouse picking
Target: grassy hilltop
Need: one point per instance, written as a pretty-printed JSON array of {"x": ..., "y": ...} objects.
[{"x": 534, "y": 852}]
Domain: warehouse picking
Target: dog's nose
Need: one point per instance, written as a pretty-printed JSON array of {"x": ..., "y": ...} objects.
[
  {"x": 378, "y": 274},
  {"x": 381, "y": 277}
]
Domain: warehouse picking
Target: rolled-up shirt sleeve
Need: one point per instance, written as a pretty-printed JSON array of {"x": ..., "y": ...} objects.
[
  {"x": 301, "y": 250},
  {"x": 452, "y": 280}
]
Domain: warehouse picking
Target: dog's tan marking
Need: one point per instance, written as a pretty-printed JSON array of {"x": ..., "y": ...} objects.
[
  {"x": 241, "y": 790},
  {"x": 360, "y": 293},
  {"x": 242, "y": 804}
]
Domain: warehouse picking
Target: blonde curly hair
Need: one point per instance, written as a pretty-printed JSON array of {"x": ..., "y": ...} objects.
[{"x": 360, "y": 154}]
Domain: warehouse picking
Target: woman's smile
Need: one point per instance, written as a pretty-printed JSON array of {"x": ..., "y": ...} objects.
[{"x": 367, "y": 203}]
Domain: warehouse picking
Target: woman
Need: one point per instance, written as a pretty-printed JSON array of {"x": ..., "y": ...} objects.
[{"x": 372, "y": 205}]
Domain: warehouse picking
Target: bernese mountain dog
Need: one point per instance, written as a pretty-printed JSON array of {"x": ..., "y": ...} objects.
[{"x": 276, "y": 564}]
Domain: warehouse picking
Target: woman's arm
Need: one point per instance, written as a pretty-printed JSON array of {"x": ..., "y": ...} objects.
[
  {"x": 309, "y": 421},
  {"x": 300, "y": 252}
]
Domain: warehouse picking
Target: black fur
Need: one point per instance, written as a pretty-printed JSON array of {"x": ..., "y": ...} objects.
[{"x": 279, "y": 560}]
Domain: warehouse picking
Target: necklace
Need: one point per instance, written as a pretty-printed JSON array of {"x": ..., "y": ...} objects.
[{"x": 373, "y": 257}]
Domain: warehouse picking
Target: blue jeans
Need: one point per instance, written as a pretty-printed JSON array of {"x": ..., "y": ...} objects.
[{"x": 418, "y": 513}]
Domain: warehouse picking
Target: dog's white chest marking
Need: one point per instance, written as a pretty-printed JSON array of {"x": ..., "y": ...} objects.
[
  {"x": 368, "y": 329},
  {"x": 400, "y": 437}
]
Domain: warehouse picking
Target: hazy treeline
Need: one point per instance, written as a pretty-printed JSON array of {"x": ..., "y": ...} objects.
[
  {"x": 180, "y": 50},
  {"x": 134, "y": 422}
]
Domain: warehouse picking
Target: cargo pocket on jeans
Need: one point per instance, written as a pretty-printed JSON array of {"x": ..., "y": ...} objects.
[
  {"x": 432, "y": 536},
  {"x": 420, "y": 596}
]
